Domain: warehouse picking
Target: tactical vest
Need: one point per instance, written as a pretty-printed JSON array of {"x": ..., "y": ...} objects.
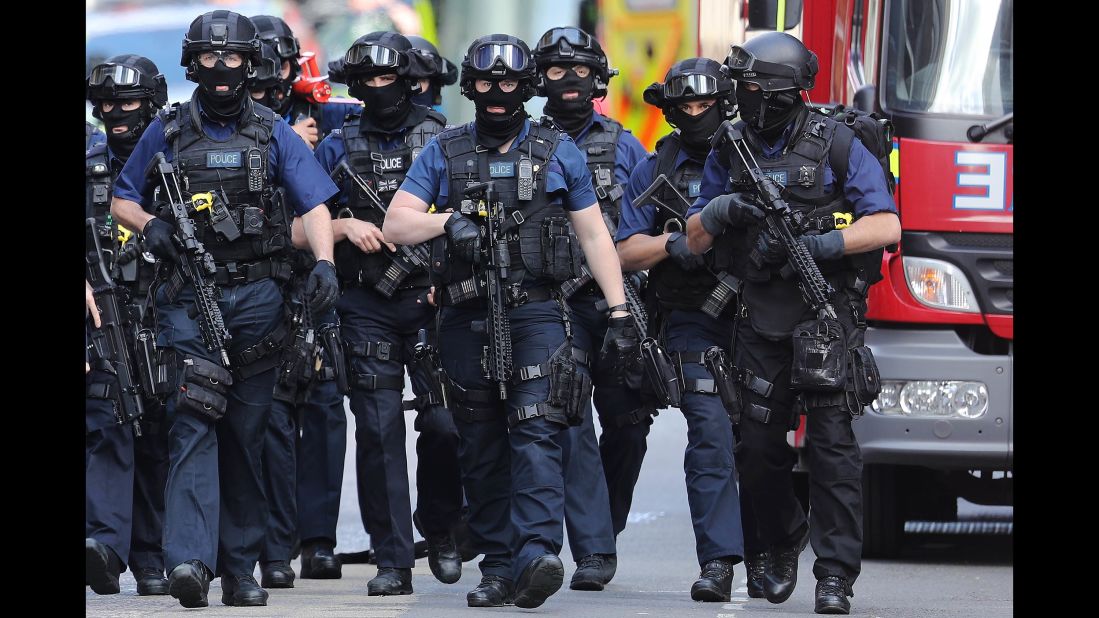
[
  {"x": 236, "y": 169},
  {"x": 384, "y": 171},
  {"x": 136, "y": 274},
  {"x": 800, "y": 171},
  {"x": 600, "y": 145},
  {"x": 674, "y": 287},
  {"x": 540, "y": 242}
]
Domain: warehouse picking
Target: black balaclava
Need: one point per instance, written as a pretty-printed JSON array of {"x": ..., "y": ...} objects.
[
  {"x": 223, "y": 106},
  {"x": 573, "y": 115},
  {"x": 387, "y": 105},
  {"x": 122, "y": 144},
  {"x": 493, "y": 130},
  {"x": 270, "y": 98},
  {"x": 427, "y": 99},
  {"x": 777, "y": 111},
  {"x": 695, "y": 131}
]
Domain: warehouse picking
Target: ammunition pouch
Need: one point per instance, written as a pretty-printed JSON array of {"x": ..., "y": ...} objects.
[
  {"x": 561, "y": 255},
  {"x": 865, "y": 380},
  {"x": 334, "y": 359},
  {"x": 203, "y": 389},
  {"x": 820, "y": 356}
]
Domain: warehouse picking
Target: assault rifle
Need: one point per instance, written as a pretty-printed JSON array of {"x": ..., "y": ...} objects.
[{"x": 496, "y": 262}]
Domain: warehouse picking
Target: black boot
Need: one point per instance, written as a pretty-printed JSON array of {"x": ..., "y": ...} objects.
[
  {"x": 542, "y": 577},
  {"x": 594, "y": 571},
  {"x": 277, "y": 574},
  {"x": 757, "y": 567},
  {"x": 318, "y": 562},
  {"x": 242, "y": 591},
  {"x": 190, "y": 582},
  {"x": 493, "y": 591},
  {"x": 715, "y": 582},
  {"x": 150, "y": 581},
  {"x": 443, "y": 558},
  {"x": 390, "y": 581},
  {"x": 782, "y": 576},
  {"x": 832, "y": 593},
  {"x": 101, "y": 567}
]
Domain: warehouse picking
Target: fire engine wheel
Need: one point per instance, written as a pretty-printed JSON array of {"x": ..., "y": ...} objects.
[{"x": 882, "y": 519}]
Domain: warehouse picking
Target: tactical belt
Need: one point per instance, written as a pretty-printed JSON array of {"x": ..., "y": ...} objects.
[
  {"x": 422, "y": 401},
  {"x": 758, "y": 413},
  {"x": 381, "y": 350},
  {"x": 469, "y": 289},
  {"x": 633, "y": 417},
  {"x": 705, "y": 386},
  {"x": 750, "y": 380},
  {"x": 533, "y": 410},
  {"x": 373, "y": 382},
  {"x": 236, "y": 273},
  {"x": 244, "y": 362},
  {"x": 541, "y": 370}
]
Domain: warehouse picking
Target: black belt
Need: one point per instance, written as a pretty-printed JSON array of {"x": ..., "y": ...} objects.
[
  {"x": 236, "y": 273},
  {"x": 373, "y": 382},
  {"x": 381, "y": 350},
  {"x": 533, "y": 410},
  {"x": 531, "y": 295},
  {"x": 633, "y": 417}
]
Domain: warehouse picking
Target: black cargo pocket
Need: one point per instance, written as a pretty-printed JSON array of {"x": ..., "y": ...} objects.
[
  {"x": 820, "y": 356},
  {"x": 865, "y": 379}
]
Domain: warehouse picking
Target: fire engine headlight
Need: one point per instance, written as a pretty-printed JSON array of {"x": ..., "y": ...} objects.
[
  {"x": 932, "y": 398},
  {"x": 939, "y": 284}
]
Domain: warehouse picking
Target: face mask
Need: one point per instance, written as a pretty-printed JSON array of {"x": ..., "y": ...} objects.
[
  {"x": 695, "y": 132},
  {"x": 221, "y": 105},
  {"x": 135, "y": 121},
  {"x": 272, "y": 99},
  {"x": 428, "y": 98},
  {"x": 575, "y": 114},
  {"x": 495, "y": 129},
  {"x": 768, "y": 115},
  {"x": 387, "y": 105}
]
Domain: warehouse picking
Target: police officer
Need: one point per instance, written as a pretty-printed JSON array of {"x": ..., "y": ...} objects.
[
  {"x": 312, "y": 121},
  {"x": 695, "y": 97},
  {"x": 381, "y": 316},
  {"x": 123, "y": 518},
  {"x": 221, "y": 142},
  {"x": 512, "y": 427},
  {"x": 92, "y": 135},
  {"x": 574, "y": 70},
  {"x": 835, "y": 174},
  {"x": 431, "y": 70}
]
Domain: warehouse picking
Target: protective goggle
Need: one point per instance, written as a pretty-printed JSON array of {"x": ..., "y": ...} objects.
[
  {"x": 119, "y": 74},
  {"x": 377, "y": 55},
  {"x": 485, "y": 57},
  {"x": 690, "y": 85},
  {"x": 573, "y": 36},
  {"x": 742, "y": 60},
  {"x": 285, "y": 46}
]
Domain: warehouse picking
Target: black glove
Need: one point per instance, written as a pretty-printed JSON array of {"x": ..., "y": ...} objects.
[
  {"x": 158, "y": 239},
  {"x": 769, "y": 250},
  {"x": 322, "y": 289},
  {"x": 827, "y": 246},
  {"x": 464, "y": 235},
  {"x": 621, "y": 345},
  {"x": 678, "y": 251},
  {"x": 732, "y": 210}
]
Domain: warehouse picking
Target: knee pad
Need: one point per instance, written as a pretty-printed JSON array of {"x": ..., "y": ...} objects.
[{"x": 203, "y": 389}]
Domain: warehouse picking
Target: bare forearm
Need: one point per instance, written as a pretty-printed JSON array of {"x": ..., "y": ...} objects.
[
  {"x": 130, "y": 214},
  {"x": 605, "y": 268},
  {"x": 641, "y": 251},
  {"x": 698, "y": 239},
  {"x": 409, "y": 223},
  {"x": 871, "y": 232},
  {"x": 317, "y": 224}
]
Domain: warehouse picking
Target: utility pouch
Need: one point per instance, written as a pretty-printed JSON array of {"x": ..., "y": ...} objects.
[
  {"x": 561, "y": 255},
  {"x": 714, "y": 359},
  {"x": 820, "y": 356},
  {"x": 661, "y": 373},
  {"x": 335, "y": 358},
  {"x": 152, "y": 370},
  {"x": 569, "y": 387},
  {"x": 865, "y": 380}
]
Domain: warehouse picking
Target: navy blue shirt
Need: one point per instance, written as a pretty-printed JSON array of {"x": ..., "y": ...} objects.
[
  {"x": 864, "y": 189},
  {"x": 640, "y": 219},
  {"x": 97, "y": 136},
  {"x": 627, "y": 153},
  {"x": 331, "y": 151},
  {"x": 567, "y": 171},
  {"x": 290, "y": 164}
]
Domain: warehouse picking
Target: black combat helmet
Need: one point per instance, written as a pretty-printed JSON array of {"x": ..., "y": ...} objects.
[
  {"x": 220, "y": 30},
  {"x": 372, "y": 54},
  {"x": 690, "y": 80},
  {"x": 569, "y": 45},
  {"x": 773, "y": 61},
  {"x": 274, "y": 31},
  {"x": 126, "y": 76},
  {"x": 497, "y": 57},
  {"x": 427, "y": 62}
]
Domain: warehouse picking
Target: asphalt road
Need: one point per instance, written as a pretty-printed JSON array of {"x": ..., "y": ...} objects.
[{"x": 934, "y": 576}]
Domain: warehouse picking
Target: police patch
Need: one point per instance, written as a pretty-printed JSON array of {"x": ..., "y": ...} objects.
[
  {"x": 501, "y": 169},
  {"x": 223, "y": 158},
  {"x": 778, "y": 176},
  {"x": 694, "y": 188}
]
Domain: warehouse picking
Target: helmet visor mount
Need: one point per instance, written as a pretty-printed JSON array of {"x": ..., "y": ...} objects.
[
  {"x": 573, "y": 36},
  {"x": 489, "y": 55},
  {"x": 120, "y": 75},
  {"x": 690, "y": 85},
  {"x": 372, "y": 55},
  {"x": 285, "y": 46}
]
